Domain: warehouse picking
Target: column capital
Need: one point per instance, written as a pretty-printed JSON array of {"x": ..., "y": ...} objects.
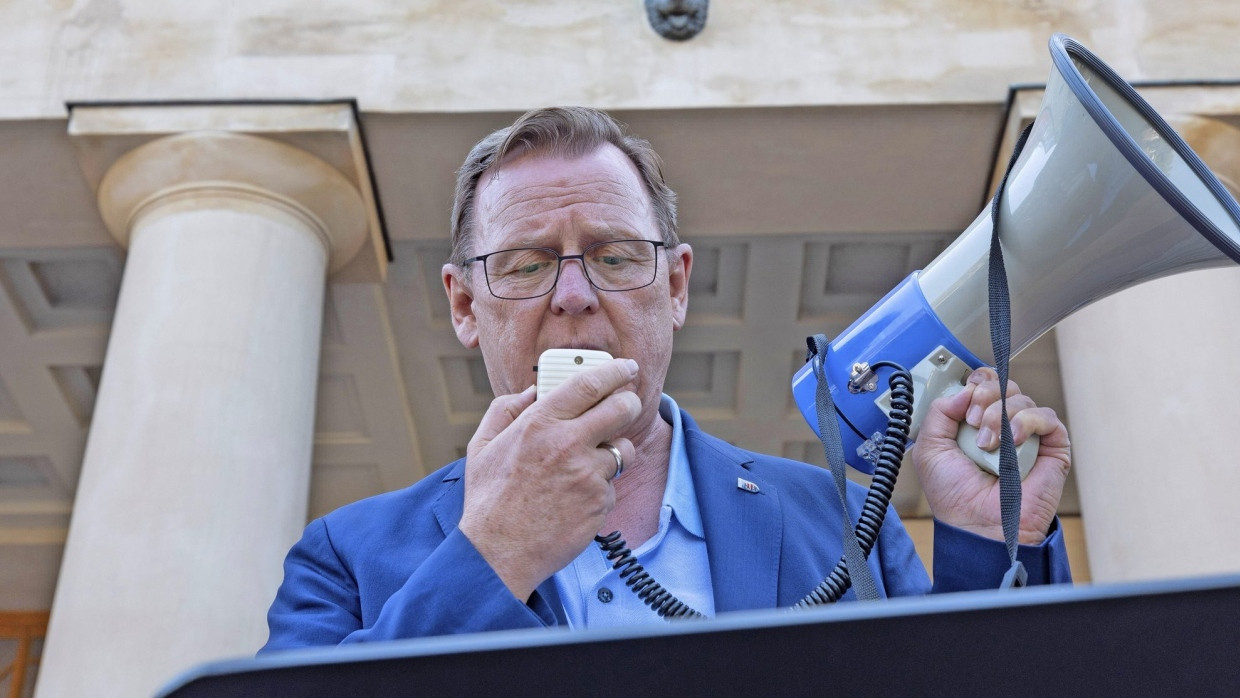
[{"x": 307, "y": 160}]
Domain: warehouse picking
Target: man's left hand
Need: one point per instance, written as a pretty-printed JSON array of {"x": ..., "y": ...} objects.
[{"x": 962, "y": 494}]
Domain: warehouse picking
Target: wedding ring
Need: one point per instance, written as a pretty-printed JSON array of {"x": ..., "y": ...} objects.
[{"x": 615, "y": 453}]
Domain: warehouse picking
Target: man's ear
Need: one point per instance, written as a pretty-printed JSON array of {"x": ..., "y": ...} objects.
[
  {"x": 678, "y": 283},
  {"x": 461, "y": 305}
]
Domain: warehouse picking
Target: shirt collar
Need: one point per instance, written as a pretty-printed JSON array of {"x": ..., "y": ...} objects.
[{"x": 679, "y": 495}]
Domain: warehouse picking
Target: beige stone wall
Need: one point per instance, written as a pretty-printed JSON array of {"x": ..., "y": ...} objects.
[{"x": 470, "y": 55}]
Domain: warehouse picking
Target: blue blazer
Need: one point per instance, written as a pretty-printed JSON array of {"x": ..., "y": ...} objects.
[{"x": 396, "y": 566}]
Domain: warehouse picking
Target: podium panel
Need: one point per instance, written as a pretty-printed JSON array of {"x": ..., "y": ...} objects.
[{"x": 1161, "y": 638}]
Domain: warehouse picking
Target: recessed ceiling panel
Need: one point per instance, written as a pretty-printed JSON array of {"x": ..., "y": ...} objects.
[
  {"x": 79, "y": 386},
  {"x": 11, "y": 418},
  {"x": 64, "y": 288},
  {"x": 717, "y": 279}
]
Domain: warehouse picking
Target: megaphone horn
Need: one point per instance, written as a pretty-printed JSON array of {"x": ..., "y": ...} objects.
[{"x": 1104, "y": 195}]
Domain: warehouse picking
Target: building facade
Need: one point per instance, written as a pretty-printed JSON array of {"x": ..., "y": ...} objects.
[{"x": 221, "y": 228}]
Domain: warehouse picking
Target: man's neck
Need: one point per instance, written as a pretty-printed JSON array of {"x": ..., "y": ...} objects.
[{"x": 639, "y": 491}]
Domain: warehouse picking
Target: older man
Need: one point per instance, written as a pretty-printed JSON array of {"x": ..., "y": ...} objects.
[{"x": 564, "y": 235}]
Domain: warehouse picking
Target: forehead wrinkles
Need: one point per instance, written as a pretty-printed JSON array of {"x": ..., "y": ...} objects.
[{"x": 511, "y": 204}]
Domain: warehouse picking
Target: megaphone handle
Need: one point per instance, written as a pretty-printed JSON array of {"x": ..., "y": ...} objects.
[
  {"x": 947, "y": 379},
  {"x": 1026, "y": 453}
]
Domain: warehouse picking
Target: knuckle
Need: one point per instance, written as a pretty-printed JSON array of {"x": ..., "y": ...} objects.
[
  {"x": 632, "y": 403},
  {"x": 1022, "y": 401},
  {"x": 592, "y": 384},
  {"x": 510, "y": 408},
  {"x": 500, "y": 404},
  {"x": 986, "y": 392},
  {"x": 983, "y": 374},
  {"x": 618, "y": 407}
]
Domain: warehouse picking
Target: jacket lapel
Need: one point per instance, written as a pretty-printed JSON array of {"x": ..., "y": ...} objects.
[{"x": 742, "y": 521}]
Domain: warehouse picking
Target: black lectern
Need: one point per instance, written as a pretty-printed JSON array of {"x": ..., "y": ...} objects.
[{"x": 1178, "y": 637}]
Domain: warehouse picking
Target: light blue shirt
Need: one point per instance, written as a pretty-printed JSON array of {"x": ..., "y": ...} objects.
[{"x": 592, "y": 591}]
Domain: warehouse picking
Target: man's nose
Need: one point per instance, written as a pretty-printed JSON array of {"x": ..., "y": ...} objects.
[{"x": 573, "y": 292}]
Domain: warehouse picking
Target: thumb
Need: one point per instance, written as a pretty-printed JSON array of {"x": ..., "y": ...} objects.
[
  {"x": 503, "y": 411},
  {"x": 946, "y": 413}
]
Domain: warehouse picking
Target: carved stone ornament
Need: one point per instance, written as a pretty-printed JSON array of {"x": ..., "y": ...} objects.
[{"x": 677, "y": 20}]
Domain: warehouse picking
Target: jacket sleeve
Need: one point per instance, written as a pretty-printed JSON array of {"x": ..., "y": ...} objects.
[
  {"x": 965, "y": 561},
  {"x": 453, "y": 590}
]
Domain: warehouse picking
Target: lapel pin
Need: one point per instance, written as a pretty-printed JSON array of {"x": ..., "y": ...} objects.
[{"x": 746, "y": 485}]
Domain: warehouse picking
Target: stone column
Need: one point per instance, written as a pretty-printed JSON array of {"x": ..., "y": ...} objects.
[
  {"x": 1149, "y": 376},
  {"x": 197, "y": 467}
]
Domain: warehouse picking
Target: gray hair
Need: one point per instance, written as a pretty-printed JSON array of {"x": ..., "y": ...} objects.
[{"x": 563, "y": 131}]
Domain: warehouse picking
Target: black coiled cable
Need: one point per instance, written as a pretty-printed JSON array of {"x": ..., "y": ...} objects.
[
  {"x": 639, "y": 580},
  {"x": 886, "y": 470},
  {"x": 882, "y": 485}
]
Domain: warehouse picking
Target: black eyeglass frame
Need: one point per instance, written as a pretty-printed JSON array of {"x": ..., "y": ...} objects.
[{"x": 559, "y": 266}]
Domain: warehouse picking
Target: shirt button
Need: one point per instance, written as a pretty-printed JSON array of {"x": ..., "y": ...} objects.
[{"x": 604, "y": 595}]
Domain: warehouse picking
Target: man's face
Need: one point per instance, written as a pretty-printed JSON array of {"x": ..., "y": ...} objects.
[{"x": 540, "y": 200}]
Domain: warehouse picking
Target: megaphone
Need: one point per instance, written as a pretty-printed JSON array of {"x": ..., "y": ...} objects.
[{"x": 1103, "y": 196}]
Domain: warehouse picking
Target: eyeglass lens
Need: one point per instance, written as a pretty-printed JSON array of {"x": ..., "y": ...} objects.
[{"x": 611, "y": 266}]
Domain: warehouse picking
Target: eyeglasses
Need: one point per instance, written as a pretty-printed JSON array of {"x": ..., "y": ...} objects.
[{"x": 530, "y": 272}]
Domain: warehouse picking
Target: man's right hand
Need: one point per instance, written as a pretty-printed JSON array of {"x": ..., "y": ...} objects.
[{"x": 537, "y": 487}]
